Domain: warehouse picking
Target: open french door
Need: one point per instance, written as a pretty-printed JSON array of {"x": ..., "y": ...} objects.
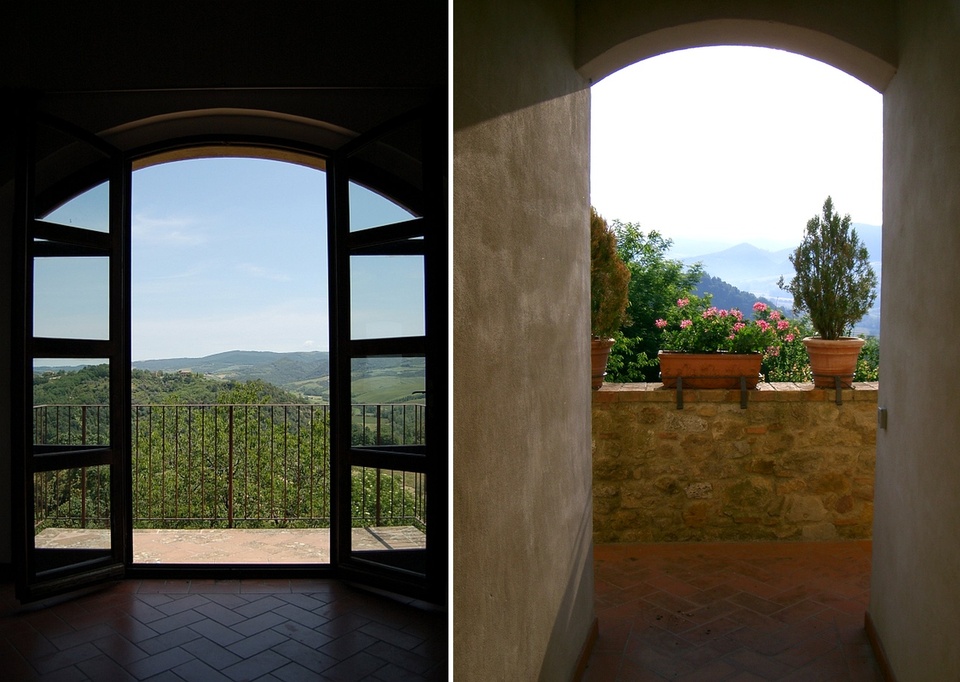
[
  {"x": 389, "y": 325},
  {"x": 69, "y": 477}
]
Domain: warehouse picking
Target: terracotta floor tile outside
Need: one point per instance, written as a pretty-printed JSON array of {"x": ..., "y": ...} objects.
[{"x": 732, "y": 612}]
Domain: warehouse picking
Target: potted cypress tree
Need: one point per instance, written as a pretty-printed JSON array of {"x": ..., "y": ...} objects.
[
  {"x": 836, "y": 285},
  {"x": 609, "y": 288}
]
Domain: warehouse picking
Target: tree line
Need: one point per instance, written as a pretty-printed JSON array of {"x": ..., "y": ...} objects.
[{"x": 208, "y": 453}]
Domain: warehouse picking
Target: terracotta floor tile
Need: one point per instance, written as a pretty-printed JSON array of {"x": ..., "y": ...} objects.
[
  {"x": 603, "y": 666},
  {"x": 105, "y": 668},
  {"x": 328, "y": 631},
  {"x": 255, "y": 666},
  {"x": 737, "y": 612},
  {"x": 357, "y": 667},
  {"x": 119, "y": 649}
]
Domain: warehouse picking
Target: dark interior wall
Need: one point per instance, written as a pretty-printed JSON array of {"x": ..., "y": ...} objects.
[
  {"x": 314, "y": 72},
  {"x": 180, "y": 44}
]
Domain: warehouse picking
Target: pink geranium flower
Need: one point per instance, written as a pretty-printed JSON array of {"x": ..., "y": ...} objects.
[{"x": 698, "y": 327}]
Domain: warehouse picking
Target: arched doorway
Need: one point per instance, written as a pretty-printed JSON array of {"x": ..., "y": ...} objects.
[
  {"x": 399, "y": 159},
  {"x": 521, "y": 111}
]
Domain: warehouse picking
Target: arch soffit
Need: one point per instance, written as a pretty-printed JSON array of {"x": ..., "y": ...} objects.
[
  {"x": 227, "y": 122},
  {"x": 859, "y": 63}
]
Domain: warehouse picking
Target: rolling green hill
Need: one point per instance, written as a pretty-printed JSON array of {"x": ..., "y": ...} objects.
[{"x": 251, "y": 375}]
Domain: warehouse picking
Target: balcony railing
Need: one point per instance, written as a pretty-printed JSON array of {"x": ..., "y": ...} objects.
[{"x": 229, "y": 466}]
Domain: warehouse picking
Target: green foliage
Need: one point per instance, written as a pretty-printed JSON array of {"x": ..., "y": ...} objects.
[
  {"x": 834, "y": 281},
  {"x": 386, "y": 498},
  {"x": 254, "y": 466},
  {"x": 255, "y": 392},
  {"x": 609, "y": 280},
  {"x": 868, "y": 364},
  {"x": 656, "y": 282},
  {"x": 211, "y": 453},
  {"x": 727, "y": 296},
  {"x": 791, "y": 362}
]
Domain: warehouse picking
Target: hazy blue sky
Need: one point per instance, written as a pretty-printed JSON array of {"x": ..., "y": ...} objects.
[
  {"x": 231, "y": 254},
  {"x": 734, "y": 144}
]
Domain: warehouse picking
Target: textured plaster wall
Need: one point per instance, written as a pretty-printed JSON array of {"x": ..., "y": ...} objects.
[
  {"x": 793, "y": 465},
  {"x": 915, "y": 589},
  {"x": 523, "y": 564}
]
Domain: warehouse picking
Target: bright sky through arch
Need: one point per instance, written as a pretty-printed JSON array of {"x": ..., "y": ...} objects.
[{"x": 725, "y": 145}]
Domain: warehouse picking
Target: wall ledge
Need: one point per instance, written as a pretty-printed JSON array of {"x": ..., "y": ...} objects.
[{"x": 764, "y": 392}]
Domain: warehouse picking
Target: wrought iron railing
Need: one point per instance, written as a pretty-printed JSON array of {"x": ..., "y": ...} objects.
[{"x": 229, "y": 466}]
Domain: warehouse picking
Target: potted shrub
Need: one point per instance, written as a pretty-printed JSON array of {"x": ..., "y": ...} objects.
[
  {"x": 713, "y": 348},
  {"x": 609, "y": 286},
  {"x": 835, "y": 284}
]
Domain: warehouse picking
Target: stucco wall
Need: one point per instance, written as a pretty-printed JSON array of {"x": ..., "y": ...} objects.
[
  {"x": 857, "y": 36},
  {"x": 915, "y": 589},
  {"x": 793, "y": 465},
  {"x": 523, "y": 564}
]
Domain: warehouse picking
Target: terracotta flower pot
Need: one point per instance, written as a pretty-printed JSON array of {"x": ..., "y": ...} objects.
[
  {"x": 599, "y": 352},
  {"x": 833, "y": 358},
  {"x": 709, "y": 370}
]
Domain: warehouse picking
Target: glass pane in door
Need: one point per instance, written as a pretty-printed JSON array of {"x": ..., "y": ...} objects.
[
  {"x": 90, "y": 210},
  {"x": 389, "y": 510},
  {"x": 71, "y": 516},
  {"x": 71, "y": 298},
  {"x": 369, "y": 209},
  {"x": 388, "y": 396},
  {"x": 386, "y": 296},
  {"x": 71, "y": 402}
]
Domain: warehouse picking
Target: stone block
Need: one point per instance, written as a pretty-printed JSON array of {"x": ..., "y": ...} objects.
[
  {"x": 819, "y": 532},
  {"x": 761, "y": 465},
  {"x": 803, "y": 508},
  {"x": 697, "y": 515}
]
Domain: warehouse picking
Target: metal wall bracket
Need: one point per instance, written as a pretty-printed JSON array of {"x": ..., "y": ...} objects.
[{"x": 743, "y": 391}]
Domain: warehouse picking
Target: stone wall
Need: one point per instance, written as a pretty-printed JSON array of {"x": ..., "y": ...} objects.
[{"x": 793, "y": 465}]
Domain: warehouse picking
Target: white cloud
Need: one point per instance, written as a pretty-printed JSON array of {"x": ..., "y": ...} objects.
[
  {"x": 170, "y": 231},
  {"x": 261, "y": 272}
]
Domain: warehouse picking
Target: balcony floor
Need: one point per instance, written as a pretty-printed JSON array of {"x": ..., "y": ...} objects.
[
  {"x": 732, "y": 611},
  {"x": 235, "y": 545}
]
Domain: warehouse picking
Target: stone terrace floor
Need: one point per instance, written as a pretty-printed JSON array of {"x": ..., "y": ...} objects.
[
  {"x": 235, "y": 545},
  {"x": 732, "y": 612}
]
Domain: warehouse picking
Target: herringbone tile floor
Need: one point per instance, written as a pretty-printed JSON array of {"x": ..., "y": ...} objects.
[
  {"x": 733, "y": 612},
  {"x": 227, "y": 630}
]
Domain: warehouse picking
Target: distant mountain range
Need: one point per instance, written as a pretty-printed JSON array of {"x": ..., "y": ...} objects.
[{"x": 757, "y": 271}]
